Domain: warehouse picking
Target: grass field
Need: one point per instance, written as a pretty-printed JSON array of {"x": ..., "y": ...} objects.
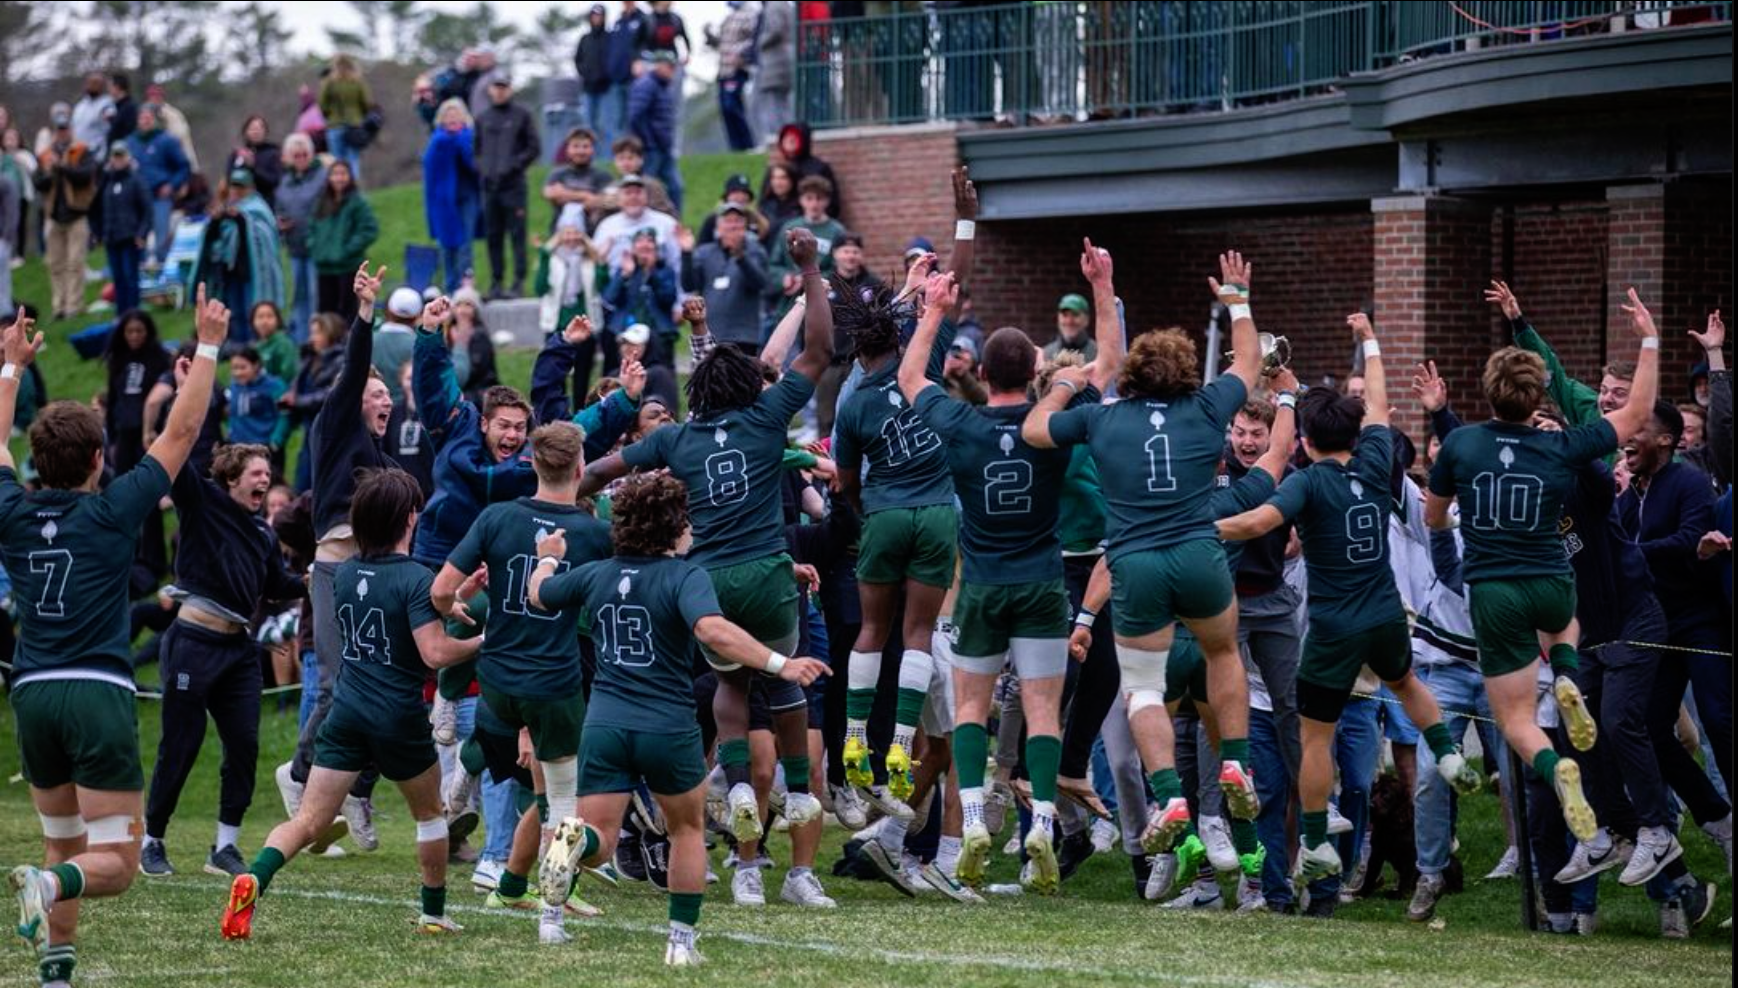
[{"x": 348, "y": 922}]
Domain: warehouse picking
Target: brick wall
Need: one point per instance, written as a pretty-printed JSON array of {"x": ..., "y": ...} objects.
[
  {"x": 896, "y": 183},
  {"x": 1556, "y": 265}
]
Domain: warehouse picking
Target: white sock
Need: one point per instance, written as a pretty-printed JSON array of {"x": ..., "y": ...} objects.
[
  {"x": 972, "y": 806},
  {"x": 681, "y": 933},
  {"x": 947, "y": 855},
  {"x": 863, "y": 673},
  {"x": 551, "y": 915},
  {"x": 155, "y": 840},
  {"x": 905, "y": 736},
  {"x": 1043, "y": 816},
  {"x": 915, "y": 670},
  {"x": 797, "y": 871},
  {"x": 892, "y": 834},
  {"x": 227, "y": 835}
]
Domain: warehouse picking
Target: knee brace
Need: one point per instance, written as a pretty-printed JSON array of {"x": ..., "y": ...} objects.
[
  {"x": 120, "y": 829},
  {"x": 1139, "y": 700},
  {"x": 432, "y": 829},
  {"x": 62, "y": 827},
  {"x": 1143, "y": 670}
]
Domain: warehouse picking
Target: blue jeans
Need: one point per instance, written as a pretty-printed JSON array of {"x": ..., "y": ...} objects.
[
  {"x": 1357, "y": 747},
  {"x": 603, "y": 114},
  {"x": 1103, "y": 779},
  {"x": 662, "y": 165},
  {"x": 1459, "y": 690},
  {"x": 304, "y": 281},
  {"x": 733, "y": 108},
  {"x": 455, "y": 261},
  {"x": 124, "y": 265},
  {"x": 337, "y": 143},
  {"x": 1273, "y": 783},
  {"x": 161, "y": 233},
  {"x": 310, "y": 686}
]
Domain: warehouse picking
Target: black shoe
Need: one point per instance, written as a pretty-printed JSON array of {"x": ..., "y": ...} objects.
[
  {"x": 630, "y": 860},
  {"x": 154, "y": 860},
  {"x": 657, "y": 858},
  {"x": 1698, "y": 901},
  {"x": 496, "y": 294},
  {"x": 226, "y": 861},
  {"x": 517, "y": 291},
  {"x": 1143, "y": 869},
  {"x": 1074, "y": 850},
  {"x": 1321, "y": 906}
]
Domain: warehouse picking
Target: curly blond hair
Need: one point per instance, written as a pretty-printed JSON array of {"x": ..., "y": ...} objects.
[{"x": 1162, "y": 363}]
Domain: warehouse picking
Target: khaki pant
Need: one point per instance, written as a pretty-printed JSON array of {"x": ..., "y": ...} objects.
[{"x": 68, "y": 244}]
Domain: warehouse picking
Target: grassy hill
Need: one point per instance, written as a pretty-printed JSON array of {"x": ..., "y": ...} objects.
[{"x": 399, "y": 209}]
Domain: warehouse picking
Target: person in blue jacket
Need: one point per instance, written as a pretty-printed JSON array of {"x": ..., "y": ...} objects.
[{"x": 164, "y": 167}]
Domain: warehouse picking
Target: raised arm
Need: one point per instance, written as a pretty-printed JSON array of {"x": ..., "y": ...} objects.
[
  {"x": 1064, "y": 385},
  {"x": 20, "y": 344},
  {"x": 346, "y": 392},
  {"x": 1097, "y": 266},
  {"x": 433, "y": 379},
  {"x": 600, "y": 474},
  {"x": 965, "y": 232},
  {"x": 1579, "y": 403},
  {"x": 1232, "y": 288},
  {"x": 817, "y": 351},
  {"x": 193, "y": 399},
  {"x": 940, "y": 294},
  {"x": 1645, "y": 390},
  {"x": 1283, "y": 437},
  {"x": 1719, "y": 437},
  {"x": 784, "y": 335},
  {"x": 1375, "y": 379},
  {"x": 1432, "y": 394}
]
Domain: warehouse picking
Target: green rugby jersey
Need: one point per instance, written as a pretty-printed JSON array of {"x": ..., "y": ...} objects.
[
  {"x": 1157, "y": 461},
  {"x": 1341, "y": 513},
  {"x": 643, "y": 612},
  {"x": 379, "y": 603},
  {"x": 733, "y": 464},
  {"x": 1081, "y": 527},
  {"x": 70, "y": 556},
  {"x": 528, "y": 651},
  {"x": 1510, "y": 481},
  {"x": 1009, "y": 492},
  {"x": 907, "y": 465},
  {"x": 1249, "y": 491}
]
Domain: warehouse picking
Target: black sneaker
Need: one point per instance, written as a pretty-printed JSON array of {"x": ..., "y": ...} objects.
[
  {"x": 1143, "y": 868},
  {"x": 630, "y": 860},
  {"x": 1074, "y": 850},
  {"x": 657, "y": 857},
  {"x": 1321, "y": 906},
  {"x": 154, "y": 860},
  {"x": 226, "y": 861},
  {"x": 1697, "y": 898}
]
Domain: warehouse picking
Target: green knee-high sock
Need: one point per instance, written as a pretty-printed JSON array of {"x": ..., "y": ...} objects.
[
  {"x": 1545, "y": 763},
  {"x": 1043, "y": 756},
  {"x": 796, "y": 772},
  {"x": 1315, "y": 828},
  {"x": 1165, "y": 785},
  {"x": 1243, "y": 836},
  {"x": 56, "y": 963},
  {"x": 733, "y": 755},
  {"x": 512, "y": 886},
  {"x": 455, "y": 681},
  {"x": 971, "y": 749},
  {"x": 1234, "y": 750},
  {"x": 685, "y": 908},
  {"x": 1440, "y": 741},
  {"x": 434, "y": 900},
  {"x": 70, "y": 878},
  {"x": 265, "y": 866},
  {"x": 1564, "y": 659},
  {"x": 471, "y": 757}
]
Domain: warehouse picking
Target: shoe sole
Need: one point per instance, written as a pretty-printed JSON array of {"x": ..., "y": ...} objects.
[
  {"x": 877, "y": 856},
  {"x": 858, "y": 773},
  {"x": 238, "y": 914},
  {"x": 1625, "y": 879},
  {"x": 957, "y": 893},
  {"x": 1578, "y": 814},
  {"x": 1086, "y": 800},
  {"x": 1240, "y": 797},
  {"x": 974, "y": 856},
  {"x": 745, "y": 822},
  {"x": 335, "y": 832},
  {"x": 32, "y": 913},
  {"x": 1577, "y": 719},
  {"x": 1046, "y": 876},
  {"x": 560, "y": 861},
  {"x": 1163, "y": 837},
  {"x": 462, "y": 826},
  {"x": 211, "y": 869},
  {"x": 163, "y": 874}
]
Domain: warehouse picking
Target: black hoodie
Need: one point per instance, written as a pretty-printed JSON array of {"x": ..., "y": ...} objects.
[{"x": 804, "y": 163}]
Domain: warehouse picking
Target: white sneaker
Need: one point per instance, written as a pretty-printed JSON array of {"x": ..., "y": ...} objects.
[
  {"x": 1604, "y": 851},
  {"x": 747, "y": 888},
  {"x": 359, "y": 814},
  {"x": 1216, "y": 835},
  {"x": 801, "y": 808},
  {"x": 849, "y": 809},
  {"x": 1721, "y": 832},
  {"x": 744, "y": 812},
  {"x": 931, "y": 877},
  {"x": 289, "y": 789},
  {"x": 1200, "y": 895},
  {"x": 1104, "y": 835},
  {"x": 1507, "y": 866},
  {"x": 804, "y": 889},
  {"x": 1249, "y": 897},
  {"x": 460, "y": 791},
  {"x": 682, "y": 955},
  {"x": 1337, "y": 824},
  {"x": 437, "y": 925},
  {"x": 889, "y": 804},
  {"x": 1012, "y": 847},
  {"x": 487, "y": 874},
  {"x": 443, "y": 720},
  {"x": 1655, "y": 847},
  {"x": 1162, "y": 877}
]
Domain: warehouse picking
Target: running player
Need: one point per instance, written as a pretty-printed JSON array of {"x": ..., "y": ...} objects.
[
  {"x": 1341, "y": 506},
  {"x": 392, "y": 636},
  {"x": 1164, "y": 561},
  {"x": 730, "y": 455},
  {"x": 648, "y": 609},
  {"x": 69, "y": 551},
  {"x": 1011, "y": 599},
  {"x": 1510, "y": 479},
  {"x": 530, "y": 663}
]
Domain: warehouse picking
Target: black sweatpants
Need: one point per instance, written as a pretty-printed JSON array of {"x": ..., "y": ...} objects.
[
  {"x": 504, "y": 219},
  {"x": 1094, "y": 689},
  {"x": 1623, "y": 769},
  {"x": 205, "y": 672}
]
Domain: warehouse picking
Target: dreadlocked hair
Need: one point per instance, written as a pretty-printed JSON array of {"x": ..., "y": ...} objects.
[
  {"x": 871, "y": 317},
  {"x": 726, "y": 380}
]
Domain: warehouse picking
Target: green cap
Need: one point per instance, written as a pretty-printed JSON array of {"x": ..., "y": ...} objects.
[{"x": 1073, "y": 303}]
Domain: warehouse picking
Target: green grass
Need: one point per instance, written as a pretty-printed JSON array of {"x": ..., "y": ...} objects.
[
  {"x": 400, "y": 212},
  {"x": 348, "y": 922}
]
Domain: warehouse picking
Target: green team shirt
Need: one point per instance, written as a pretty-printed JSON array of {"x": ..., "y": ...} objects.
[
  {"x": 1250, "y": 491},
  {"x": 528, "y": 651},
  {"x": 1157, "y": 461},
  {"x": 1511, "y": 481},
  {"x": 1341, "y": 513},
  {"x": 733, "y": 465},
  {"x": 907, "y": 466},
  {"x": 1081, "y": 526},
  {"x": 379, "y": 604},
  {"x": 70, "y": 557},
  {"x": 643, "y": 613},
  {"x": 1009, "y": 492}
]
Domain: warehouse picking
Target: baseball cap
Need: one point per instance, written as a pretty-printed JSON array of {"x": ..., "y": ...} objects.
[
  {"x": 405, "y": 302},
  {"x": 500, "y": 77},
  {"x": 737, "y": 183},
  {"x": 468, "y": 294},
  {"x": 660, "y": 55},
  {"x": 118, "y": 150},
  {"x": 628, "y": 180},
  {"x": 733, "y": 207},
  {"x": 61, "y": 118},
  {"x": 918, "y": 245},
  {"x": 966, "y": 346},
  {"x": 646, "y": 231},
  {"x": 241, "y": 176},
  {"x": 1073, "y": 303},
  {"x": 637, "y": 334},
  {"x": 853, "y": 239}
]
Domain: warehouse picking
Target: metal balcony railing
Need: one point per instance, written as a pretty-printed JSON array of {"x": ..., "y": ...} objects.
[{"x": 1054, "y": 62}]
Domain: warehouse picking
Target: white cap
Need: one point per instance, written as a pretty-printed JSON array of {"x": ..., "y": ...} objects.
[
  {"x": 405, "y": 302},
  {"x": 572, "y": 215},
  {"x": 637, "y": 334}
]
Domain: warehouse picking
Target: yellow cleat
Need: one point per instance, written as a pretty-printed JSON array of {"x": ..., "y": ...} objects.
[
  {"x": 857, "y": 771},
  {"x": 974, "y": 855},
  {"x": 899, "y": 766}
]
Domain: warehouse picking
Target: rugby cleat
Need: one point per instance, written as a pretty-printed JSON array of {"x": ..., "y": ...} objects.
[
  {"x": 1577, "y": 719},
  {"x": 1046, "y": 876},
  {"x": 974, "y": 855},
  {"x": 899, "y": 780},
  {"x": 1578, "y": 814},
  {"x": 443, "y": 719},
  {"x": 678, "y": 954},
  {"x": 1164, "y": 828},
  {"x": 1190, "y": 853},
  {"x": 33, "y": 906},
  {"x": 744, "y": 813},
  {"x": 523, "y": 901},
  {"x": 856, "y": 759},
  {"x": 561, "y": 861},
  {"x": 437, "y": 925},
  {"x": 238, "y": 914},
  {"x": 801, "y": 808},
  {"x": 1239, "y": 788},
  {"x": 1317, "y": 863}
]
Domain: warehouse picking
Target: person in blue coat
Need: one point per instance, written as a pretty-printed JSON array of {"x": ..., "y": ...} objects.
[
  {"x": 164, "y": 167},
  {"x": 450, "y": 189},
  {"x": 652, "y": 118}
]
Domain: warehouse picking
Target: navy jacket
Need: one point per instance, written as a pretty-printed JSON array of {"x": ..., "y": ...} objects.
[
  {"x": 652, "y": 111},
  {"x": 122, "y": 212},
  {"x": 1666, "y": 522},
  {"x": 339, "y": 441},
  {"x": 225, "y": 553}
]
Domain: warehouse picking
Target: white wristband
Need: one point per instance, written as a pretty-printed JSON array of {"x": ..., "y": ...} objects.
[
  {"x": 1085, "y": 618},
  {"x": 554, "y": 563},
  {"x": 1286, "y": 399},
  {"x": 1063, "y": 382},
  {"x": 207, "y": 351},
  {"x": 1372, "y": 349},
  {"x": 1239, "y": 311},
  {"x": 1650, "y": 343},
  {"x": 8, "y": 372},
  {"x": 775, "y": 662},
  {"x": 964, "y": 229}
]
